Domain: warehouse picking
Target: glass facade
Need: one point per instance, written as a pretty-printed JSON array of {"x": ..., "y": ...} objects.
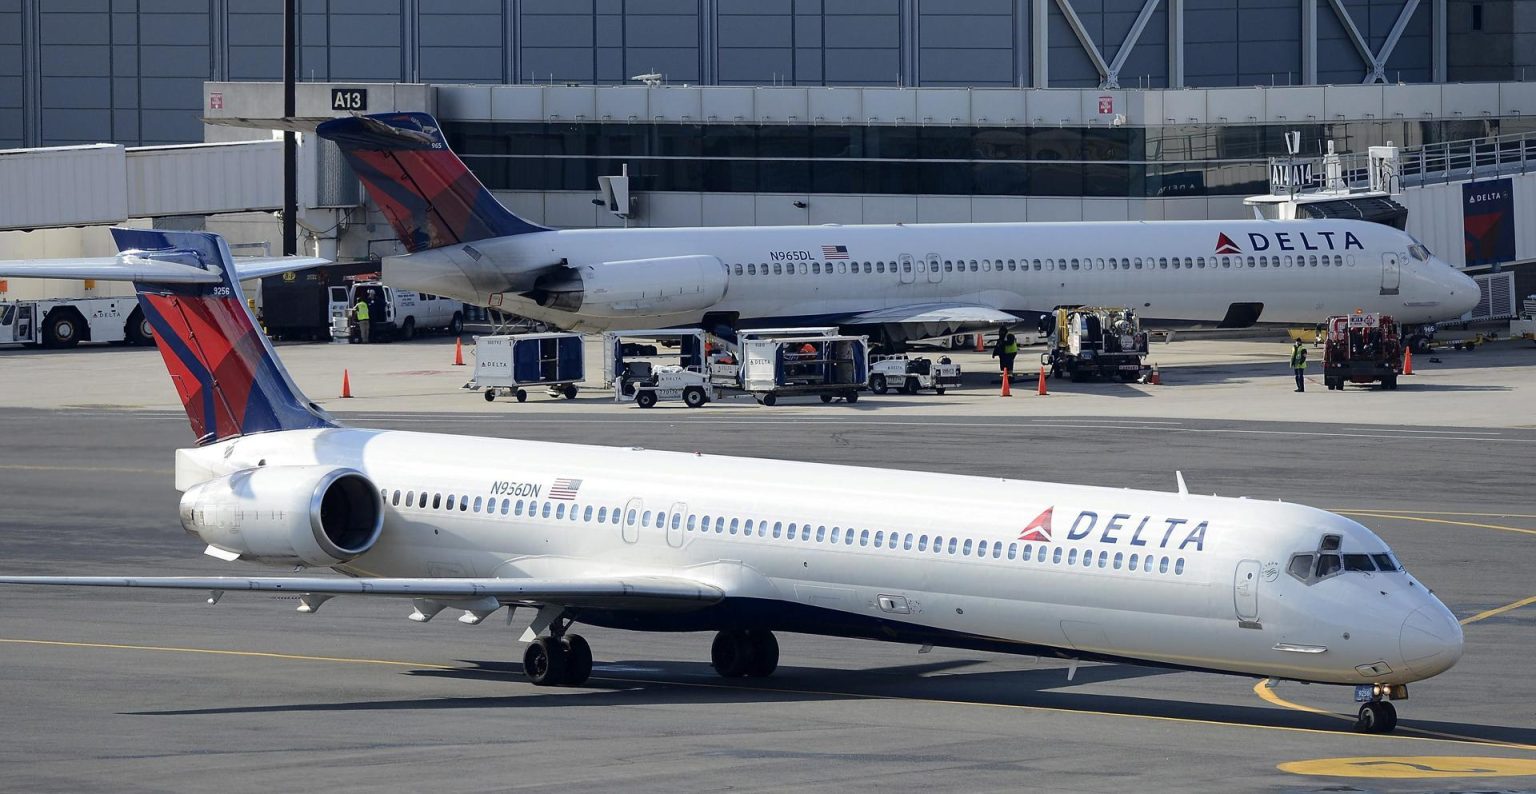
[{"x": 1109, "y": 162}]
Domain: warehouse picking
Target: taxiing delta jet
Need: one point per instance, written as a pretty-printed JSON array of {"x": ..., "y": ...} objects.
[
  {"x": 893, "y": 282},
  {"x": 664, "y": 541}
]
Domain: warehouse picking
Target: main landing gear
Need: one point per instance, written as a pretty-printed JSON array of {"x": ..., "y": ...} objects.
[
  {"x": 1377, "y": 714},
  {"x": 742, "y": 653},
  {"x": 559, "y": 659}
]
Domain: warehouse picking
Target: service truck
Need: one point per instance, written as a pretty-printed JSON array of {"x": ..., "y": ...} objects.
[
  {"x": 1363, "y": 347},
  {"x": 1094, "y": 341},
  {"x": 66, "y": 322},
  {"x": 395, "y": 314}
]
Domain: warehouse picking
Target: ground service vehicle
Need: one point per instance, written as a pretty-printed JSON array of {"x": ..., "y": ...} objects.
[
  {"x": 511, "y": 364},
  {"x": 296, "y": 305},
  {"x": 1362, "y": 348},
  {"x": 649, "y": 366},
  {"x": 1091, "y": 341},
  {"x": 66, "y": 322},
  {"x": 397, "y": 314},
  {"x": 814, "y": 364},
  {"x": 910, "y": 375}
]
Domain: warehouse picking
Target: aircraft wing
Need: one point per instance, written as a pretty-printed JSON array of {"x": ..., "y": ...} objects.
[
  {"x": 937, "y": 313},
  {"x": 132, "y": 268},
  {"x": 633, "y": 592}
]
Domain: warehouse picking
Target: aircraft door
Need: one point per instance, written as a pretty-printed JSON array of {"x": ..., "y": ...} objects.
[
  {"x": 935, "y": 273},
  {"x": 1391, "y": 274},
  {"x": 906, "y": 270},
  {"x": 629, "y": 525},
  {"x": 675, "y": 518},
  {"x": 1245, "y": 591}
]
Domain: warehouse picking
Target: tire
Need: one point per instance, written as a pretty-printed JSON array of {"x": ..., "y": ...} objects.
[
  {"x": 569, "y": 391},
  {"x": 911, "y": 386},
  {"x": 578, "y": 659},
  {"x": 852, "y": 397},
  {"x": 456, "y": 325},
  {"x": 521, "y": 395},
  {"x": 694, "y": 397},
  {"x": 490, "y": 395},
  {"x": 544, "y": 662},
  {"x": 877, "y": 384},
  {"x": 731, "y": 654},
  {"x": 765, "y": 653},
  {"x": 646, "y": 399},
  {"x": 826, "y": 398},
  {"x": 408, "y": 329},
  {"x": 938, "y": 390},
  {"x": 770, "y": 400},
  {"x": 1376, "y": 717},
  {"x": 1389, "y": 383},
  {"x": 138, "y": 330},
  {"x": 62, "y": 329}
]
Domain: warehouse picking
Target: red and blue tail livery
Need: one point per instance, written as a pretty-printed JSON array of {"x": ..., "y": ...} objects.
[
  {"x": 426, "y": 191},
  {"x": 222, "y": 365}
]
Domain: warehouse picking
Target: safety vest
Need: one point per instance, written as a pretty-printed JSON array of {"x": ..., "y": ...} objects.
[
  {"x": 1298, "y": 358},
  {"x": 1011, "y": 348},
  {"x": 361, "y": 310}
]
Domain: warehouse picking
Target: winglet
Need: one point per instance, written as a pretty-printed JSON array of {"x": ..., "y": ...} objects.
[{"x": 1183, "y": 489}]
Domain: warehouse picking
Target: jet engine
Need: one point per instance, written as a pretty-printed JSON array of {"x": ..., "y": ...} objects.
[
  {"x": 636, "y": 287},
  {"x": 287, "y": 515}
]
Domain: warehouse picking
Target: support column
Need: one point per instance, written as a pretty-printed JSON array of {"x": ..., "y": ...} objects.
[
  {"x": 1040, "y": 43},
  {"x": 1309, "y": 42},
  {"x": 32, "y": 74},
  {"x": 1439, "y": 66},
  {"x": 1175, "y": 43}
]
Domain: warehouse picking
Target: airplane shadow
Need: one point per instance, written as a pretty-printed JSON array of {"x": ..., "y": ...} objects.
[{"x": 647, "y": 682}]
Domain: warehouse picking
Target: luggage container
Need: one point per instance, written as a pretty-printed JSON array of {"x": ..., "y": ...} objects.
[{"x": 510, "y": 365}]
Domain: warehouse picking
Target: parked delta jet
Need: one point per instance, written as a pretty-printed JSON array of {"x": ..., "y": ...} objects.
[
  {"x": 899, "y": 282},
  {"x": 665, "y": 541}
]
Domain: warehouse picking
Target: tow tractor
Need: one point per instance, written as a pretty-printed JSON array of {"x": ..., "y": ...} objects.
[
  {"x": 700, "y": 370},
  {"x": 1362, "y": 348},
  {"x": 66, "y": 322},
  {"x": 910, "y": 375},
  {"x": 1090, "y": 341}
]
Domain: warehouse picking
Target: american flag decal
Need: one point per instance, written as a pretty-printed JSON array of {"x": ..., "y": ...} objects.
[
  {"x": 834, "y": 252},
  {"x": 564, "y": 488}
]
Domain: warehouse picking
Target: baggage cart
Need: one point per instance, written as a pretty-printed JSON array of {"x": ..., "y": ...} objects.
[{"x": 510, "y": 365}]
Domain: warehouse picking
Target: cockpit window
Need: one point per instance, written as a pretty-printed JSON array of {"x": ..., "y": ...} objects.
[
  {"x": 1330, "y": 543},
  {"x": 1385, "y": 562},
  {"x": 1358, "y": 562},
  {"x": 1419, "y": 252},
  {"x": 1300, "y": 567},
  {"x": 1312, "y": 567},
  {"x": 1327, "y": 565}
]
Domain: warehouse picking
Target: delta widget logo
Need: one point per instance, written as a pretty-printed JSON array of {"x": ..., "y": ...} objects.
[
  {"x": 1224, "y": 245},
  {"x": 1039, "y": 529}
]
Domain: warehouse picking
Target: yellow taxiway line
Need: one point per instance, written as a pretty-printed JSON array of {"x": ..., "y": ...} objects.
[
  {"x": 1403, "y": 517},
  {"x": 1484, "y": 615}
]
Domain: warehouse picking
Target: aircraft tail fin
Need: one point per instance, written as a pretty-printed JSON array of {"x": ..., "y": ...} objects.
[
  {"x": 223, "y": 367},
  {"x": 426, "y": 191}
]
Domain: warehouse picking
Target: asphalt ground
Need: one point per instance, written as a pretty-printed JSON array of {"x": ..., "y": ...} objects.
[{"x": 156, "y": 691}]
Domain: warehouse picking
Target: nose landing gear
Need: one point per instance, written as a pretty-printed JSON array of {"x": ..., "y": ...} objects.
[{"x": 1377, "y": 714}]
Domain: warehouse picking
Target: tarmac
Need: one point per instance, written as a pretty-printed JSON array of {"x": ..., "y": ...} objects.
[{"x": 157, "y": 691}]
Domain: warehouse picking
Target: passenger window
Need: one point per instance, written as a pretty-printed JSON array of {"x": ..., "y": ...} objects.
[
  {"x": 545, "y": 511},
  {"x": 953, "y": 542},
  {"x": 1013, "y": 550},
  {"x": 922, "y": 542},
  {"x": 746, "y": 529},
  {"x": 1103, "y": 558},
  {"x": 1072, "y": 557},
  {"x": 396, "y": 501},
  {"x": 906, "y": 544},
  {"x": 836, "y": 533},
  {"x": 816, "y": 268},
  {"x": 938, "y": 544},
  {"x": 879, "y": 539},
  {"x": 864, "y": 538},
  {"x": 848, "y": 537},
  {"x": 735, "y": 525},
  {"x": 560, "y": 510},
  {"x": 477, "y": 504},
  {"x": 410, "y": 498},
  {"x": 778, "y": 529},
  {"x": 981, "y": 549},
  {"x": 517, "y": 508},
  {"x": 630, "y": 517},
  {"x": 506, "y": 506},
  {"x": 1056, "y": 555},
  {"x": 586, "y": 514},
  {"x": 738, "y": 270},
  {"x": 677, "y": 521},
  {"x": 752, "y": 270},
  {"x": 1135, "y": 558},
  {"x": 997, "y": 550},
  {"x": 965, "y": 548},
  {"x": 1162, "y": 565},
  {"x": 1178, "y": 567},
  {"x": 602, "y": 515},
  {"x": 1088, "y": 559},
  {"x": 437, "y": 501}
]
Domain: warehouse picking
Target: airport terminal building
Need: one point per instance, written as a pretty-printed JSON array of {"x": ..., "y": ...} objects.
[{"x": 726, "y": 112}]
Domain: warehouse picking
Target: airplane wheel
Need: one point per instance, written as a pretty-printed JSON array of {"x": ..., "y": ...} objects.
[
  {"x": 578, "y": 659},
  {"x": 1376, "y": 717},
  {"x": 877, "y": 384},
  {"x": 646, "y": 399},
  {"x": 545, "y": 662},
  {"x": 826, "y": 398},
  {"x": 731, "y": 654},
  {"x": 694, "y": 397},
  {"x": 521, "y": 395},
  {"x": 490, "y": 395},
  {"x": 765, "y": 653}
]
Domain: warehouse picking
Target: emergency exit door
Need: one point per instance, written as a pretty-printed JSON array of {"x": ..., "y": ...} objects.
[
  {"x": 1245, "y": 590},
  {"x": 935, "y": 274},
  {"x": 1391, "y": 274},
  {"x": 675, "y": 518},
  {"x": 906, "y": 270}
]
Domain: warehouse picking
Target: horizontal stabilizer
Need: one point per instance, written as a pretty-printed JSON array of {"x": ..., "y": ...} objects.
[
  {"x": 649, "y": 592},
  {"x": 128, "y": 267}
]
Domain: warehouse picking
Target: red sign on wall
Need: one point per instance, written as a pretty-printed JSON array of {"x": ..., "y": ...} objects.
[
  {"x": 216, "y": 101},
  {"x": 1106, "y": 105}
]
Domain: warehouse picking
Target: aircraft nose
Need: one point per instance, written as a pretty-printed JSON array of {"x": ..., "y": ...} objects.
[
  {"x": 1431, "y": 641},
  {"x": 1462, "y": 291}
]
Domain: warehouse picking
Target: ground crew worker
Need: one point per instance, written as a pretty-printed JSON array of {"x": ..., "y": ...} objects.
[
  {"x": 1299, "y": 364},
  {"x": 1005, "y": 351},
  {"x": 364, "y": 324}
]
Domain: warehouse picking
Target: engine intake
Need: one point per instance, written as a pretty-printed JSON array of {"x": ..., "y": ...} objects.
[
  {"x": 287, "y": 515},
  {"x": 637, "y": 287}
]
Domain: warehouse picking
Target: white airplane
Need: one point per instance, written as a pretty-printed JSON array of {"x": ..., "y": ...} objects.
[
  {"x": 665, "y": 541},
  {"x": 896, "y": 282}
]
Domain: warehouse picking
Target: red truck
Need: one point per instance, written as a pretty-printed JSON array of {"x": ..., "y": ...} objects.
[{"x": 1362, "y": 348}]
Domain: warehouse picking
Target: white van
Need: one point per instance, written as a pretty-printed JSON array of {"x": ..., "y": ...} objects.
[{"x": 396, "y": 314}]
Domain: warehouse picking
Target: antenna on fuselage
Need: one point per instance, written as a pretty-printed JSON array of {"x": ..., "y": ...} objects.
[{"x": 1183, "y": 489}]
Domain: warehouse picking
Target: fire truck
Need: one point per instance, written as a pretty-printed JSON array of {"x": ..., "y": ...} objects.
[{"x": 1362, "y": 348}]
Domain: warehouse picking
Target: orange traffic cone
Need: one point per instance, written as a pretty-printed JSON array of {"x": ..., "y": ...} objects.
[
  {"x": 346, "y": 385},
  {"x": 1007, "y": 389},
  {"x": 981, "y": 343},
  {"x": 1156, "y": 379},
  {"x": 1408, "y": 361},
  {"x": 1040, "y": 389},
  {"x": 458, "y": 351}
]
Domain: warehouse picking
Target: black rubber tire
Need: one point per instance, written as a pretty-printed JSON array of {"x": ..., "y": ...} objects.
[
  {"x": 911, "y": 386},
  {"x": 852, "y": 397},
  {"x": 877, "y": 384},
  {"x": 62, "y": 328},
  {"x": 490, "y": 395},
  {"x": 826, "y": 398},
  {"x": 694, "y": 397},
  {"x": 544, "y": 662},
  {"x": 578, "y": 659},
  {"x": 1377, "y": 716},
  {"x": 138, "y": 330},
  {"x": 1389, "y": 383},
  {"x": 408, "y": 329},
  {"x": 521, "y": 395},
  {"x": 731, "y": 654},
  {"x": 456, "y": 325},
  {"x": 938, "y": 390},
  {"x": 569, "y": 391},
  {"x": 646, "y": 399},
  {"x": 770, "y": 400},
  {"x": 765, "y": 653},
  {"x": 1388, "y": 715}
]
